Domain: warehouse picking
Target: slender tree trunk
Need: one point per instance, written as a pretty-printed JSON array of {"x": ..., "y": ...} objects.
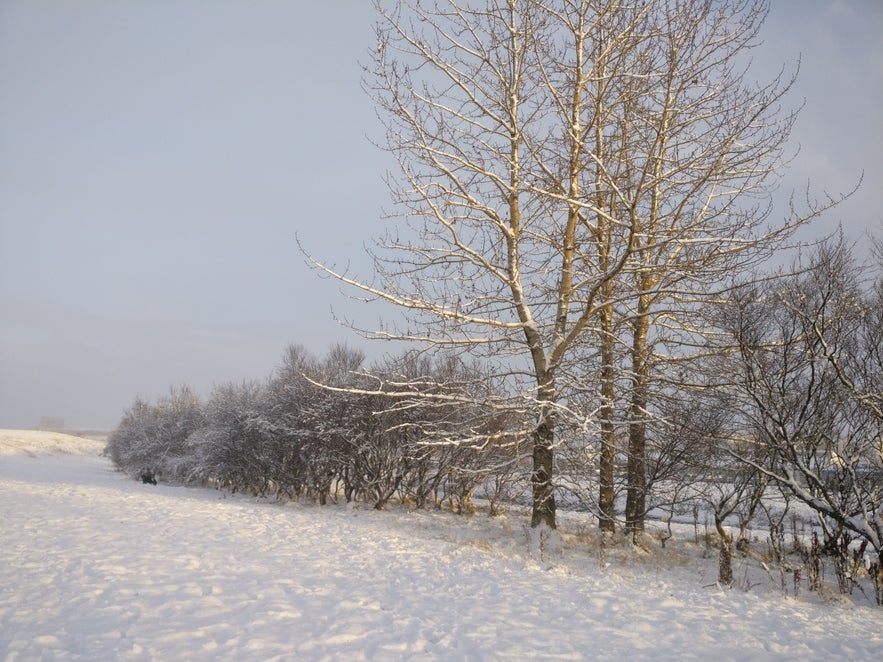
[
  {"x": 636, "y": 491},
  {"x": 606, "y": 505},
  {"x": 604, "y": 238}
]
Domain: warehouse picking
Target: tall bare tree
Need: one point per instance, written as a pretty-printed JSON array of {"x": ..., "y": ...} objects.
[
  {"x": 706, "y": 144},
  {"x": 557, "y": 160}
]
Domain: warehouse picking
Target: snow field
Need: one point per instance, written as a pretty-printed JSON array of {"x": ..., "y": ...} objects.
[{"x": 96, "y": 566}]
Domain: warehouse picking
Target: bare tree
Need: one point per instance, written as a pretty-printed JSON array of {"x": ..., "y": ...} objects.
[
  {"x": 806, "y": 385},
  {"x": 705, "y": 145},
  {"x": 558, "y": 160}
]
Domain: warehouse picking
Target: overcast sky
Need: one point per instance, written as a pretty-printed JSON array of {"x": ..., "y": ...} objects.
[{"x": 158, "y": 157}]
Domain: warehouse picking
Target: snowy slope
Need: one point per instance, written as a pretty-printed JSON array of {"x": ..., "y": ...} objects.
[
  {"x": 95, "y": 566},
  {"x": 38, "y": 442}
]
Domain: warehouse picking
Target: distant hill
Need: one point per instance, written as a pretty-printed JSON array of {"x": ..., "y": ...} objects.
[{"x": 42, "y": 442}]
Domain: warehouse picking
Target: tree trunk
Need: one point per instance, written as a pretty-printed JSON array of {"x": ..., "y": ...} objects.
[
  {"x": 606, "y": 505},
  {"x": 636, "y": 495},
  {"x": 541, "y": 478},
  {"x": 636, "y": 479}
]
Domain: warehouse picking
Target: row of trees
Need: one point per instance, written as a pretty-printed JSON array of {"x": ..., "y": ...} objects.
[
  {"x": 783, "y": 403},
  {"x": 328, "y": 429}
]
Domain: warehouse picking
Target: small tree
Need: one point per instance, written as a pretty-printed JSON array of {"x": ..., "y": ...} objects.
[
  {"x": 155, "y": 437},
  {"x": 289, "y": 396},
  {"x": 130, "y": 445},
  {"x": 805, "y": 387},
  {"x": 232, "y": 449}
]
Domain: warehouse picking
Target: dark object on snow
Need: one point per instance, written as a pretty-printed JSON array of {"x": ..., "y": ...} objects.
[{"x": 147, "y": 476}]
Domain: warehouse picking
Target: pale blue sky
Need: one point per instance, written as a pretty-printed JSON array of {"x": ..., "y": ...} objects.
[{"x": 157, "y": 158}]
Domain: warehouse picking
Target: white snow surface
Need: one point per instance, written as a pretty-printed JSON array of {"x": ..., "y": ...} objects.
[
  {"x": 38, "y": 442},
  {"x": 96, "y": 566}
]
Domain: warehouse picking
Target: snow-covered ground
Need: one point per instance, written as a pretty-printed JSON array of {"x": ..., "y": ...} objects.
[{"x": 95, "y": 566}]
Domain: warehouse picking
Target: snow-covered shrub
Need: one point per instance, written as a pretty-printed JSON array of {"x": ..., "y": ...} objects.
[
  {"x": 154, "y": 437},
  {"x": 230, "y": 450}
]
